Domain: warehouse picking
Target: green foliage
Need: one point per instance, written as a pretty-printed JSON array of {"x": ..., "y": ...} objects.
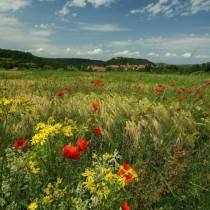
[{"x": 165, "y": 138}]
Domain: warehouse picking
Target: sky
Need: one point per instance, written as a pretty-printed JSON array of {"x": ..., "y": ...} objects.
[{"x": 169, "y": 31}]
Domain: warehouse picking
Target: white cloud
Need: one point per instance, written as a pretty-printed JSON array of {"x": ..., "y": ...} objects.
[
  {"x": 82, "y": 3},
  {"x": 171, "y": 8},
  {"x": 187, "y": 55},
  {"x": 95, "y": 52},
  {"x": 13, "y": 5},
  {"x": 98, "y": 3},
  {"x": 45, "y": 26},
  {"x": 120, "y": 43},
  {"x": 40, "y": 49},
  {"x": 127, "y": 53},
  {"x": 169, "y": 55},
  {"x": 14, "y": 33},
  {"x": 6, "y": 21},
  {"x": 202, "y": 56},
  {"x": 101, "y": 27},
  {"x": 153, "y": 54}
]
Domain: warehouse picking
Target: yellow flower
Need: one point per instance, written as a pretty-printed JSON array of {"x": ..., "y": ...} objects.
[
  {"x": 7, "y": 102},
  {"x": 121, "y": 182},
  {"x": 33, "y": 167},
  {"x": 103, "y": 194},
  {"x": 59, "y": 181},
  {"x": 89, "y": 173},
  {"x": 56, "y": 192},
  {"x": 51, "y": 120},
  {"x": 33, "y": 205},
  {"x": 39, "y": 138},
  {"x": 110, "y": 177},
  {"x": 106, "y": 156},
  {"x": 48, "y": 199},
  {"x": 67, "y": 131},
  {"x": 89, "y": 184},
  {"x": 48, "y": 188},
  {"x": 94, "y": 155},
  {"x": 39, "y": 126}
]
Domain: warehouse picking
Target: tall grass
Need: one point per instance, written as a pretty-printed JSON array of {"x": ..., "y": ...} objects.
[{"x": 159, "y": 124}]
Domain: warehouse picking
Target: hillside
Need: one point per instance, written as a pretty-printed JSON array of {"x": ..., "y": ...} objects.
[{"x": 14, "y": 58}]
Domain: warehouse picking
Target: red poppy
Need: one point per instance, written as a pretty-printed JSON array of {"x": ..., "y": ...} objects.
[
  {"x": 207, "y": 82},
  {"x": 20, "y": 144},
  {"x": 72, "y": 152},
  {"x": 97, "y": 82},
  {"x": 60, "y": 94},
  {"x": 180, "y": 98},
  {"x": 179, "y": 92},
  {"x": 127, "y": 172},
  {"x": 159, "y": 90},
  {"x": 98, "y": 131},
  {"x": 172, "y": 84},
  {"x": 82, "y": 145},
  {"x": 188, "y": 91},
  {"x": 125, "y": 206},
  {"x": 178, "y": 109},
  {"x": 95, "y": 106},
  {"x": 67, "y": 89}
]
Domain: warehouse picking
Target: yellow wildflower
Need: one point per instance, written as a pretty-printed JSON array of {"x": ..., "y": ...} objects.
[
  {"x": 33, "y": 167},
  {"x": 59, "y": 181},
  {"x": 89, "y": 173},
  {"x": 89, "y": 184},
  {"x": 106, "y": 156},
  {"x": 33, "y": 205},
  {"x": 48, "y": 199}
]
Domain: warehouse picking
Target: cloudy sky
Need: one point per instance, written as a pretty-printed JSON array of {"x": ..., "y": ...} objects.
[{"x": 170, "y": 31}]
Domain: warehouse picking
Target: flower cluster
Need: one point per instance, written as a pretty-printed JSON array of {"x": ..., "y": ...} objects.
[
  {"x": 97, "y": 82},
  {"x": 51, "y": 129},
  {"x": 53, "y": 196},
  {"x": 75, "y": 152},
  {"x": 61, "y": 93},
  {"x": 103, "y": 181},
  {"x": 10, "y": 105}
]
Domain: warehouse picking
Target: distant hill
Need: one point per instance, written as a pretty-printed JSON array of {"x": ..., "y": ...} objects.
[
  {"x": 125, "y": 61},
  {"x": 14, "y": 58}
]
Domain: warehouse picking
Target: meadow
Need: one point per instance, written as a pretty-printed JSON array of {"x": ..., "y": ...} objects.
[{"x": 108, "y": 141}]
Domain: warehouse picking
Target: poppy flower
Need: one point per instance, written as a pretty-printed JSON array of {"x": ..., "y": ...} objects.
[
  {"x": 188, "y": 91},
  {"x": 95, "y": 106},
  {"x": 180, "y": 98},
  {"x": 82, "y": 145},
  {"x": 125, "y": 206},
  {"x": 179, "y": 92},
  {"x": 127, "y": 172},
  {"x": 159, "y": 90},
  {"x": 98, "y": 131},
  {"x": 72, "y": 152},
  {"x": 20, "y": 144},
  {"x": 67, "y": 89},
  {"x": 60, "y": 94},
  {"x": 172, "y": 84},
  {"x": 178, "y": 109}
]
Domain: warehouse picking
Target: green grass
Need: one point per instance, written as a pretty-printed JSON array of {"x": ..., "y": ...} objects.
[{"x": 165, "y": 139}]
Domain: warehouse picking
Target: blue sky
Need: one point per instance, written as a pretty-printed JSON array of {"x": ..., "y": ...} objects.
[{"x": 170, "y": 31}]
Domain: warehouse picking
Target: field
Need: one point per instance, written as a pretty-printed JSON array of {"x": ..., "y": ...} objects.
[{"x": 108, "y": 141}]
